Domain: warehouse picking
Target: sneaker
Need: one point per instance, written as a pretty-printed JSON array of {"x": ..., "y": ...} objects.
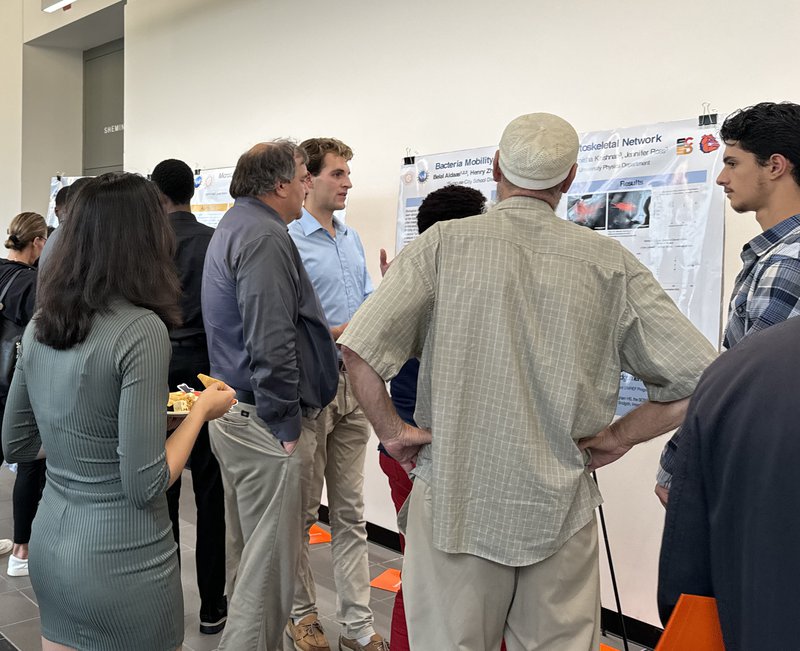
[
  {"x": 308, "y": 634},
  {"x": 5, "y": 546},
  {"x": 376, "y": 643},
  {"x": 213, "y": 622},
  {"x": 17, "y": 566}
]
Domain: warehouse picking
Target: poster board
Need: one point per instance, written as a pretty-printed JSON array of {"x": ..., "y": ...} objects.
[{"x": 421, "y": 175}]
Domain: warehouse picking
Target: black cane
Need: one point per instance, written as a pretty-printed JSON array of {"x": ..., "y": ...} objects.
[{"x": 611, "y": 567}]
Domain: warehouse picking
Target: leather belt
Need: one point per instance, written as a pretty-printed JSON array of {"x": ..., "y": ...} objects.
[
  {"x": 245, "y": 396},
  {"x": 193, "y": 341}
]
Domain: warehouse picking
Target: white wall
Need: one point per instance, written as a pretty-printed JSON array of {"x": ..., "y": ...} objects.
[
  {"x": 52, "y": 123},
  {"x": 10, "y": 112},
  {"x": 41, "y": 112},
  {"x": 206, "y": 79}
]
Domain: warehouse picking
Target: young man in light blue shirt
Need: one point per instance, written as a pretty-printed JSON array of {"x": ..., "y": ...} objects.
[{"x": 333, "y": 256}]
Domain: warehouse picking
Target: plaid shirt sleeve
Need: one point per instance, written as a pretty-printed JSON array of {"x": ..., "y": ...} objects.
[
  {"x": 666, "y": 465},
  {"x": 776, "y": 297}
]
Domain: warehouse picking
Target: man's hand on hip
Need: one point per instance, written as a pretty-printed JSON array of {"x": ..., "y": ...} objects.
[
  {"x": 405, "y": 447},
  {"x": 605, "y": 447}
]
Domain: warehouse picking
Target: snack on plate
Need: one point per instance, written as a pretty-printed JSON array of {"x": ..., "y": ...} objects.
[
  {"x": 207, "y": 380},
  {"x": 180, "y": 401}
]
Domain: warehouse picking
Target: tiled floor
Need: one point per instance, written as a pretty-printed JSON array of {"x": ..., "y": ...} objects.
[{"x": 19, "y": 614}]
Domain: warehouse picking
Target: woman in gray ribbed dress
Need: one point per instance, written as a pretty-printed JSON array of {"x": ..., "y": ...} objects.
[{"x": 91, "y": 390}]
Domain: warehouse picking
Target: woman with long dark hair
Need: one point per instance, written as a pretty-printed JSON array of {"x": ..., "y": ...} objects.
[
  {"x": 27, "y": 234},
  {"x": 91, "y": 389}
]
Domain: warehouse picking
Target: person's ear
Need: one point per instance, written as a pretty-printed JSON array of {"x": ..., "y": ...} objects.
[
  {"x": 778, "y": 165},
  {"x": 496, "y": 173},
  {"x": 567, "y": 182}
]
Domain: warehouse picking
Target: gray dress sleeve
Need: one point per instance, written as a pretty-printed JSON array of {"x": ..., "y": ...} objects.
[
  {"x": 142, "y": 359},
  {"x": 21, "y": 441}
]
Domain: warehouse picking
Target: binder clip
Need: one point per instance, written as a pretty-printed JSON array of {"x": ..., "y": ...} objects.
[{"x": 707, "y": 118}]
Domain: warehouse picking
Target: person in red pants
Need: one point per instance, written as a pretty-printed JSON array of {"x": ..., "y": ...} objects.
[{"x": 449, "y": 202}]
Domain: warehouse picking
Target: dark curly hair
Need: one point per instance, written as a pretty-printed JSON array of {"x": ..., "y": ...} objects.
[
  {"x": 175, "y": 179},
  {"x": 449, "y": 202},
  {"x": 765, "y": 129}
]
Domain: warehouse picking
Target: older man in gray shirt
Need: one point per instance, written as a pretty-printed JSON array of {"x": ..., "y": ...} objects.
[{"x": 269, "y": 340}]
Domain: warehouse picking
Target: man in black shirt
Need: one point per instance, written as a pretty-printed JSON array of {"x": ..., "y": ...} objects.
[
  {"x": 175, "y": 181},
  {"x": 731, "y": 531}
]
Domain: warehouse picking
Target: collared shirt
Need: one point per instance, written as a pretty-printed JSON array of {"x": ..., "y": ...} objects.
[
  {"x": 191, "y": 243},
  {"x": 767, "y": 289},
  {"x": 337, "y": 266},
  {"x": 766, "y": 292},
  {"x": 264, "y": 324},
  {"x": 522, "y": 322}
]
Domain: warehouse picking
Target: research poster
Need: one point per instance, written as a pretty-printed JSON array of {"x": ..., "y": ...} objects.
[
  {"x": 650, "y": 187},
  {"x": 422, "y": 175},
  {"x": 56, "y": 183},
  {"x": 653, "y": 189},
  {"x": 211, "y": 197}
]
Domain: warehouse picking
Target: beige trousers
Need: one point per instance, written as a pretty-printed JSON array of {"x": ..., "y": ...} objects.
[
  {"x": 338, "y": 439},
  {"x": 467, "y": 603},
  {"x": 263, "y": 502}
]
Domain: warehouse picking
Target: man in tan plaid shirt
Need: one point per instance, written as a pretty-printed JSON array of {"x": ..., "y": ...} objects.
[{"x": 522, "y": 322}]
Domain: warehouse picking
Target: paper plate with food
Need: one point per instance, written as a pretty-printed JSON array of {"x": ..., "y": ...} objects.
[{"x": 180, "y": 402}]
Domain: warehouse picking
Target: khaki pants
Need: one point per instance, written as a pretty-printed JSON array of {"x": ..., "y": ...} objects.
[
  {"x": 338, "y": 438},
  {"x": 464, "y": 602},
  {"x": 264, "y": 527}
]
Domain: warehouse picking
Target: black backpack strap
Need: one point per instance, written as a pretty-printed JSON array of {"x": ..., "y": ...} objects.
[{"x": 5, "y": 289}]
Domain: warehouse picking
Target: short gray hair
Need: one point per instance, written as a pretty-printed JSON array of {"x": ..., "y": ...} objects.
[{"x": 264, "y": 166}]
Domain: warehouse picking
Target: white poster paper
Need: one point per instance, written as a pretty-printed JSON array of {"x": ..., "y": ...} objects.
[
  {"x": 424, "y": 174},
  {"x": 211, "y": 197}
]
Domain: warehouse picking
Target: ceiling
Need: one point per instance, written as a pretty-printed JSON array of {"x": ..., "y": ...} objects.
[{"x": 95, "y": 29}]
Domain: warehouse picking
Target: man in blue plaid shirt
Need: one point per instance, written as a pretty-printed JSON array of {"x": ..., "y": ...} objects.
[{"x": 761, "y": 173}]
